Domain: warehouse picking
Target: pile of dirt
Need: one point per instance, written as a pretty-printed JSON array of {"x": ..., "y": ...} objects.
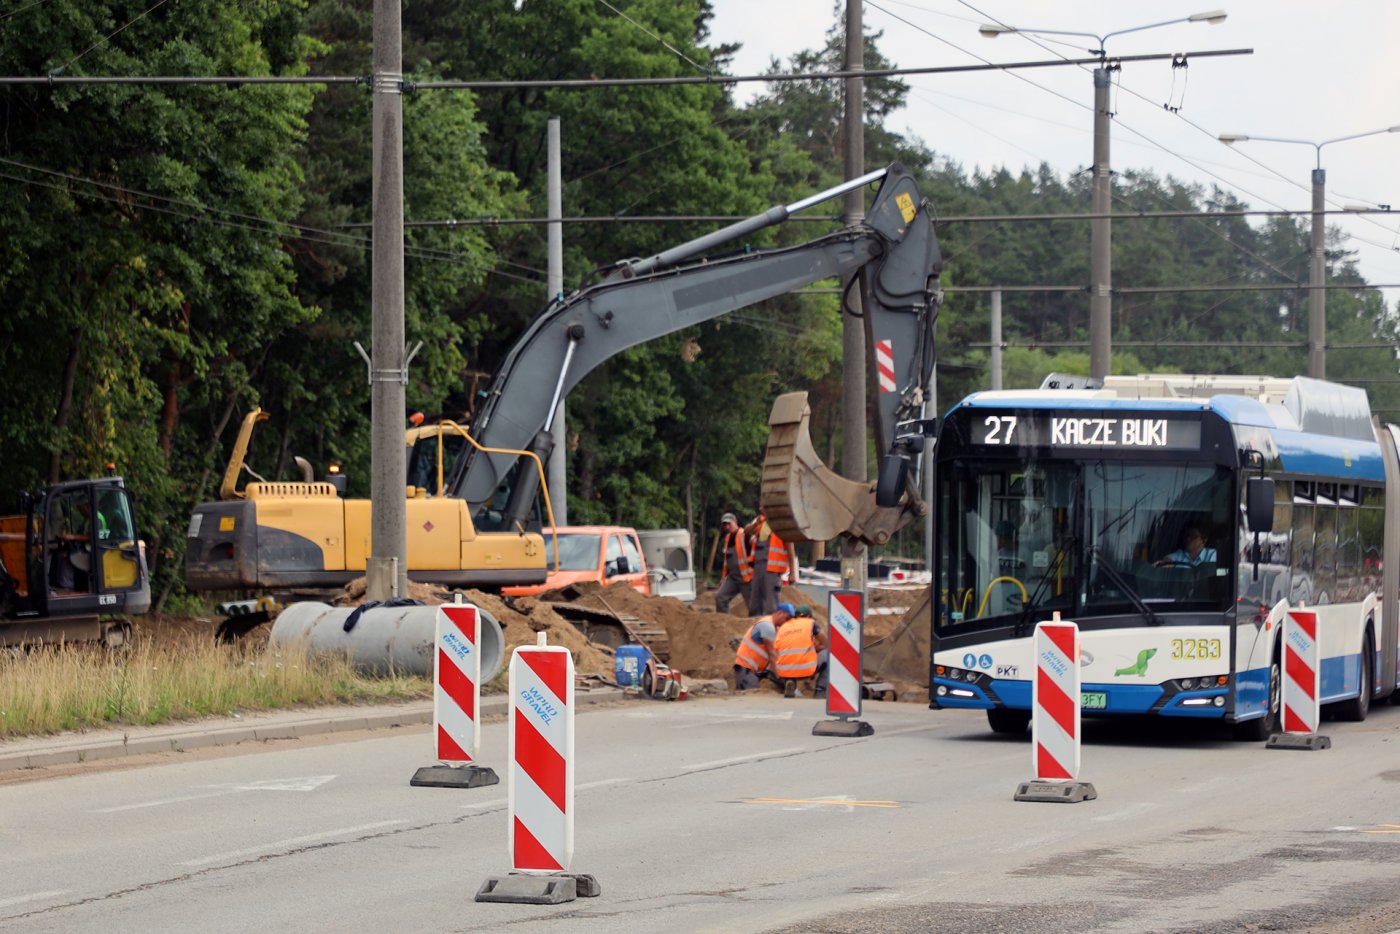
[{"x": 702, "y": 642}]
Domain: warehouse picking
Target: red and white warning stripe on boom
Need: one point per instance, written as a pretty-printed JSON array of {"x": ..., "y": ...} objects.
[
  {"x": 1301, "y": 672},
  {"x": 1055, "y": 701},
  {"x": 884, "y": 365},
  {"x": 541, "y": 778},
  {"x": 457, "y": 684}
]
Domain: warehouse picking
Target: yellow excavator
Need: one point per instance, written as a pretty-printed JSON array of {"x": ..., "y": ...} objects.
[{"x": 473, "y": 491}]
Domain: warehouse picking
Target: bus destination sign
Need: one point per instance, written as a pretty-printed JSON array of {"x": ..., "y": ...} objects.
[{"x": 1086, "y": 431}]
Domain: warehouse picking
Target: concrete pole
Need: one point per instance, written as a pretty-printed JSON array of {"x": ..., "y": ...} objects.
[
  {"x": 996, "y": 339},
  {"x": 853, "y": 432},
  {"x": 1100, "y": 248},
  {"x": 558, "y": 464},
  {"x": 387, "y": 571},
  {"x": 1317, "y": 280}
]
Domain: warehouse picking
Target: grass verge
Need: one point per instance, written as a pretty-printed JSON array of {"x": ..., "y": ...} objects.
[{"x": 50, "y": 690}]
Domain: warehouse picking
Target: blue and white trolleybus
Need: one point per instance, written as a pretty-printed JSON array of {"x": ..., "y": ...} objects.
[{"x": 1175, "y": 519}]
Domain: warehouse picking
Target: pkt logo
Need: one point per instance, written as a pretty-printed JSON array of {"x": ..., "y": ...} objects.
[{"x": 1008, "y": 671}]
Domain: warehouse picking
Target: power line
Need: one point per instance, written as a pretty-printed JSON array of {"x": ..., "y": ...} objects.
[{"x": 585, "y": 83}]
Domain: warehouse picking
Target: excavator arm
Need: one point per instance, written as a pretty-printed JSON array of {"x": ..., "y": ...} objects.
[{"x": 894, "y": 252}]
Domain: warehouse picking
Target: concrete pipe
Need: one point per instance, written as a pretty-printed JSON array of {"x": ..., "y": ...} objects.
[{"x": 384, "y": 639}]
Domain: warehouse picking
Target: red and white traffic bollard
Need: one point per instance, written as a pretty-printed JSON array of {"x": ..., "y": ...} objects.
[
  {"x": 540, "y": 782},
  {"x": 1301, "y": 710},
  {"x": 1055, "y": 716},
  {"x": 456, "y": 700},
  {"x": 845, "y": 612}
]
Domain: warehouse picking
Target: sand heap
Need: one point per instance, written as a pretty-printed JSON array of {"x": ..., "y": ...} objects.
[{"x": 701, "y": 640}]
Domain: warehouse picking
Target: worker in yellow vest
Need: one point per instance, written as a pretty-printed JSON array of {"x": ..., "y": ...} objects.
[
  {"x": 754, "y": 659},
  {"x": 772, "y": 560},
  {"x": 801, "y": 648},
  {"x": 736, "y": 574}
]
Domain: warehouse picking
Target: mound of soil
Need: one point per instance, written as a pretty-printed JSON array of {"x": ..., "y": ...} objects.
[{"x": 702, "y": 642}]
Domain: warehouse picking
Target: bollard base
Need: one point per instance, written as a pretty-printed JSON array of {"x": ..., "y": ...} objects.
[
  {"x": 850, "y": 728},
  {"x": 1307, "y": 742},
  {"x": 1056, "y": 792},
  {"x": 453, "y": 776},
  {"x": 528, "y": 889}
]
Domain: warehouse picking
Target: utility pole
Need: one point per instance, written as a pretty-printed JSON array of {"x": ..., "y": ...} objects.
[
  {"x": 558, "y": 464},
  {"x": 386, "y": 574},
  {"x": 1317, "y": 278},
  {"x": 1101, "y": 237},
  {"x": 853, "y": 567}
]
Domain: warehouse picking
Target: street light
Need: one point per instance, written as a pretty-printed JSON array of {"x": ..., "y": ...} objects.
[
  {"x": 1317, "y": 293},
  {"x": 1101, "y": 230}
]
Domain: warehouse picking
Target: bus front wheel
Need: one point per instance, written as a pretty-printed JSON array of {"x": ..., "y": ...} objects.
[
  {"x": 1261, "y": 728},
  {"x": 1002, "y": 720}
]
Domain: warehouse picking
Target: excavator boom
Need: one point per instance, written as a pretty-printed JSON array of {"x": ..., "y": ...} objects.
[{"x": 894, "y": 253}]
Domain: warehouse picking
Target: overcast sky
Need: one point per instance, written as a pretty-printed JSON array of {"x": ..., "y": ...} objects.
[{"x": 1318, "y": 71}]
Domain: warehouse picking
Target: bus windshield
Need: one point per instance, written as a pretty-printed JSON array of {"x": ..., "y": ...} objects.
[{"x": 1084, "y": 536}]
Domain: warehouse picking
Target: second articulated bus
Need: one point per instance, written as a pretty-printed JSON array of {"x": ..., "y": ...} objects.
[{"x": 1176, "y": 520}]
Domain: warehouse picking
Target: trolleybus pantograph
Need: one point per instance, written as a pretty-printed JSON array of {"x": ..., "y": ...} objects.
[{"x": 1175, "y": 519}]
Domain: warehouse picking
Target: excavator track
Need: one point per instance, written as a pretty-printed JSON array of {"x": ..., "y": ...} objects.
[{"x": 607, "y": 626}]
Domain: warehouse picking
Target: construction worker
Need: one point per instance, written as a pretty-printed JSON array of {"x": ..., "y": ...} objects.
[
  {"x": 754, "y": 659},
  {"x": 801, "y": 648},
  {"x": 736, "y": 574},
  {"x": 771, "y": 563}
]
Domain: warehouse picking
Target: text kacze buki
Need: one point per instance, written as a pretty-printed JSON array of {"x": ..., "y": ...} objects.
[{"x": 1129, "y": 432}]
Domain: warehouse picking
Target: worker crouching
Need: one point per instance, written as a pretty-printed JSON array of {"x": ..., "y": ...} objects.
[
  {"x": 801, "y": 653},
  {"x": 756, "y": 651}
]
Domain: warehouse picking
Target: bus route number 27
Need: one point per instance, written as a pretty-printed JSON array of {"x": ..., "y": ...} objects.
[
  {"x": 999, "y": 429},
  {"x": 1196, "y": 648}
]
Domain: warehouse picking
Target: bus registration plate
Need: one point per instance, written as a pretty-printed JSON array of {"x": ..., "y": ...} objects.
[{"x": 1093, "y": 700}]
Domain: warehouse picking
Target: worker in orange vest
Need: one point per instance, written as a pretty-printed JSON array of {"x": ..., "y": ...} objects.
[
  {"x": 772, "y": 561},
  {"x": 801, "y": 648},
  {"x": 737, "y": 571},
  {"x": 754, "y": 659}
]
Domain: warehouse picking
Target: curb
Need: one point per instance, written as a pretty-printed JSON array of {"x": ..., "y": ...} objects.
[{"x": 44, "y": 752}]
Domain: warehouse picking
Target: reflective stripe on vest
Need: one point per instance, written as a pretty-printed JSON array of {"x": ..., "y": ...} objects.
[
  {"x": 777, "y": 555},
  {"x": 752, "y": 655},
  {"x": 797, "y": 654},
  {"x": 736, "y": 541}
]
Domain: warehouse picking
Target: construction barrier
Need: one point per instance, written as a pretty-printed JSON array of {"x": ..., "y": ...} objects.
[
  {"x": 845, "y": 631},
  {"x": 1300, "y": 711},
  {"x": 1055, "y": 716},
  {"x": 541, "y": 779},
  {"x": 456, "y": 699},
  {"x": 540, "y": 782}
]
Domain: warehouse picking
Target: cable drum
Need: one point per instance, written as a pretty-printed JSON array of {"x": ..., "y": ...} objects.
[{"x": 385, "y": 639}]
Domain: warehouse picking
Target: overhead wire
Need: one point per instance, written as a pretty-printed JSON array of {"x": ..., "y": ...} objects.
[{"x": 105, "y": 39}]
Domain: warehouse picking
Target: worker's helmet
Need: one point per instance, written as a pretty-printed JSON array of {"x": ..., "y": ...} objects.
[
  {"x": 803, "y": 610},
  {"x": 786, "y": 608}
]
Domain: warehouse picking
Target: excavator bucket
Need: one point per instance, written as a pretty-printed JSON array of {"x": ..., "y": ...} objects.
[{"x": 806, "y": 501}]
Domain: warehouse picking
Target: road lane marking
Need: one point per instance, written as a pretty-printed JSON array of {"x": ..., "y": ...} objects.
[
  {"x": 32, "y": 897},
  {"x": 1131, "y": 810},
  {"x": 809, "y": 803},
  {"x": 291, "y": 842},
  {"x": 305, "y": 783},
  {"x": 732, "y": 718},
  {"x": 758, "y": 756},
  {"x": 498, "y": 802}
]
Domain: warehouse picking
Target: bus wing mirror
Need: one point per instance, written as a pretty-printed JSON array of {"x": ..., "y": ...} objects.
[{"x": 1259, "y": 503}]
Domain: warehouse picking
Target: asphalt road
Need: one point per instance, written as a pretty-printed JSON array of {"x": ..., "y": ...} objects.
[{"x": 726, "y": 814}]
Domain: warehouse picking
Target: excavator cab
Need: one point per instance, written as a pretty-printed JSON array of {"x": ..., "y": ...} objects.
[{"x": 71, "y": 560}]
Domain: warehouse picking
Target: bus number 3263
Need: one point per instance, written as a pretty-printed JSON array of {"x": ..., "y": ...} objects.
[{"x": 1195, "y": 648}]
